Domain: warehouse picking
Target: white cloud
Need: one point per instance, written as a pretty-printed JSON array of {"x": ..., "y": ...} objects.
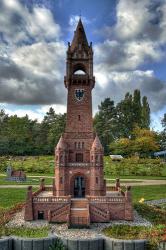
[
  {"x": 73, "y": 21},
  {"x": 32, "y": 114},
  {"x": 118, "y": 83},
  {"x": 34, "y": 74},
  {"x": 18, "y": 24}
]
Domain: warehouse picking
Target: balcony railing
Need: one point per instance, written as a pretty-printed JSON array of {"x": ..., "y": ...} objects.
[
  {"x": 79, "y": 164},
  {"x": 51, "y": 199},
  {"x": 107, "y": 199}
]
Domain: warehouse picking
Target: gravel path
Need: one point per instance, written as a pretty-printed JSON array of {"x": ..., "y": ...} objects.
[{"x": 62, "y": 231}]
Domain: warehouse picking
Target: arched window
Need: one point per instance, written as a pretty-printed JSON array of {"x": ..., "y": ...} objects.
[
  {"x": 79, "y": 72},
  {"x": 79, "y": 69}
]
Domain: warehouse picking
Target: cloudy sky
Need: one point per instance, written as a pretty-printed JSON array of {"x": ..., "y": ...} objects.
[{"x": 129, "y": 42}]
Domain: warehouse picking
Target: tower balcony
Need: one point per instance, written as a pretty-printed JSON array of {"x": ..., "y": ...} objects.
[
  {"x": 79, "y": 164},
  {"x": 79, "y": 79}
]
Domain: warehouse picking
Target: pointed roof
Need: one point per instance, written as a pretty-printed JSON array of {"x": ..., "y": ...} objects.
[
  {"x": 79, "y": 37},
  {"x": 97, "y": 144},
  {"x": 61, "y": 143}
]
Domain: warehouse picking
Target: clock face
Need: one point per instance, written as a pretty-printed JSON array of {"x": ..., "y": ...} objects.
[{"x": 79, "y": 94}]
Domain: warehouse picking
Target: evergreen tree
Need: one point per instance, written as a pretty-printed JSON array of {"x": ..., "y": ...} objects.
[
  {"x": 145, "y": 113},
  {"x": 137, "y": 108},
  {"x": 104, "y": 123},
  {"x": 124, "y": 117}
]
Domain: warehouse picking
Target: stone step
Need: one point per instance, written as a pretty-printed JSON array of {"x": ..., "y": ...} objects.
[
  {"x": 79, "y": 203},
  {"x": 79, "y": 213}
]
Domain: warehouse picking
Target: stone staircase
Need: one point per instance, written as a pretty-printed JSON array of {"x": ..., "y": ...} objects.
[
  {"x": 79, "y": 213},
  {"x": 98, "y": 214}
]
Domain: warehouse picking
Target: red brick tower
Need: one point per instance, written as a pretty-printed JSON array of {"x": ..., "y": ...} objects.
[
  {"x": 79, "y": 156},
  {"x": 79, "y": 153}
]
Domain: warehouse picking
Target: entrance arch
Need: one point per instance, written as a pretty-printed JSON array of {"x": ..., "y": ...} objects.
[{"x": 79, "y": 187}]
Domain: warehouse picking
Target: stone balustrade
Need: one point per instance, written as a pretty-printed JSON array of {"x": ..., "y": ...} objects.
[
  {"x": 51, "y": 199},
  {"x": 100, "y": 199}
]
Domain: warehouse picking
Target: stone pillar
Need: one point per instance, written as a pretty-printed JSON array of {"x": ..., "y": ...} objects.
[
  {"x": 28, "y": 216},
  {"x": 42, "y": 184},
  {"x": 117, "y": 184},
  {"x": 54, "y": 187},
  {"x": 128, "y": 204}
]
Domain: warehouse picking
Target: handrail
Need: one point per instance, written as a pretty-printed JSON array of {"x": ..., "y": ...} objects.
[
  {"x": 51, "y": 199},
  {"x": 100, "y": 212},
  {"x": 107, "y": 199}
]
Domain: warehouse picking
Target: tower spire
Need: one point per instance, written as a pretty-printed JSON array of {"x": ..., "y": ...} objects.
[{"x": 79, "y": 38}]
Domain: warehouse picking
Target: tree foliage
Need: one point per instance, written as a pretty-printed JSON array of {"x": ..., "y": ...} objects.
[
  {"x": 23, "y": 136},
  {"x": 143, "y": 142},
  {"x": 113, "y": 122}
]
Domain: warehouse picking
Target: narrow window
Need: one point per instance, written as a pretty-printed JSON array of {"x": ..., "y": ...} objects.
[
  {"x": 82, "y": 144},
  {"x": 75, "y": 144},
  {"x": 61, "y": 180},
  {"x": 79, "y": 145},
  {"x": 97, "y": 180},
  {"x": 79, "y": 117}
]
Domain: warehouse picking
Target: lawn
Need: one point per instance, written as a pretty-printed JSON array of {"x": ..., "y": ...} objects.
[
  {"x": 11, "y": 196},
  {"x": 148, "y": 192}
]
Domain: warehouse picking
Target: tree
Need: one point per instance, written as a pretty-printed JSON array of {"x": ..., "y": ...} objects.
[
  {"x": 145, "y": 114},
  {"x": 162, "y": 135},
  {"x": 137, "y": 108},
  {"x": 121, "y": 147},
  {"x": 142, "y": 142},
  {"x": 124, "y": 117},
  {"x": 104, "y": 123},
  {"x": 163, "y": 122}
]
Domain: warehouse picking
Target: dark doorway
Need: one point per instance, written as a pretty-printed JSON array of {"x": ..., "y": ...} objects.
[
  {"x": 79, "y": 187},
  {"x": 79, "y": 157},
  {"x": 40, "y": 215}
]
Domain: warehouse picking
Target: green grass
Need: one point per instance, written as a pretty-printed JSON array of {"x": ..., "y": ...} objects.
[
  {"x": 11, "y": 196},
  {"x": 25, "y": 232},
  {"x": 148, "y": 192}
]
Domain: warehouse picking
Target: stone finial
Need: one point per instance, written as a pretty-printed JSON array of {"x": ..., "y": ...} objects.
[
  {"x": 61, "y": 144},
  {"x": 97, "y": 144},
  {"x": 117, "y": 184},
  {"x": 42, "y": 184}
]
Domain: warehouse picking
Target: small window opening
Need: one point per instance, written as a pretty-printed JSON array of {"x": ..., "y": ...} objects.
[
  {"x": 97, "y": 180},
  {"x": 40, "y": 215},
  {"x": 61, "y": 180},
  {"x": 79, "y": 117}
]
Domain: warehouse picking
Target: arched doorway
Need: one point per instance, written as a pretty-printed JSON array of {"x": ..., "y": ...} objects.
[{"x": 79, "y": 187}]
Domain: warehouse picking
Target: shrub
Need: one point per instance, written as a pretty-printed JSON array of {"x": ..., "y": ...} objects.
[
  {"x": 58, "y": 245},
  {"x": 151, "y": 213}
]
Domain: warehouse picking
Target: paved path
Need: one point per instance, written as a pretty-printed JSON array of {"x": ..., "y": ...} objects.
[
  {"x": 140, "y": 182},
  {"x": 132, "y": 182}
]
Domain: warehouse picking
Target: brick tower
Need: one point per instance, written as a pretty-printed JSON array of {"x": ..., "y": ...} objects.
[
  {"x": 78, "y": 195},
  {"x": 79, "y": 153}
]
